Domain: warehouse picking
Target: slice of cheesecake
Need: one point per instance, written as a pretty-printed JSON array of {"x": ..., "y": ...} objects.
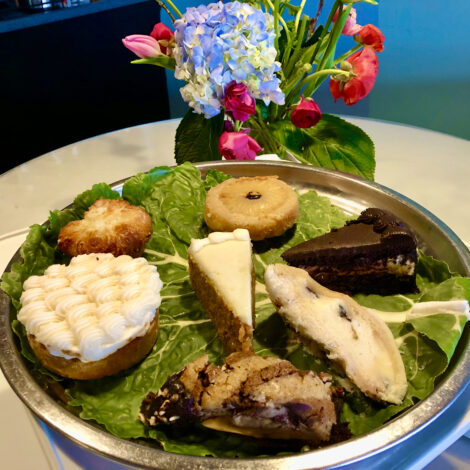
[{"x": 222, "y": 275}]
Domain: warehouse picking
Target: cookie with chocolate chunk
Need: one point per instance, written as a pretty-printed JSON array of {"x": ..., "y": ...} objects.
[{"x": 263, "y": 397}]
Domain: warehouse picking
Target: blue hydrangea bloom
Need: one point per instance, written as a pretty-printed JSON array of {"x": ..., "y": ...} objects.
[{"x": 222, "y": 42}]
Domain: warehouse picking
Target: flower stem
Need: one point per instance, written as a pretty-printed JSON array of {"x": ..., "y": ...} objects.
[
  {"x": 336, "y": 31},
  {"x": 297, "y": 18},
  {"x": 276, "y": 24},
  {"x": 347, "y": 54},
  {"x": 326, "y": 27},
  {"x": 297, "y": 51},
  {"x": 335, "y": 34},
  {"x": 263, "y": 135},
  {"x": 172, "y": 5},
  {"x": 313, "y": 22},
  {"x": 162, "y": 5}
]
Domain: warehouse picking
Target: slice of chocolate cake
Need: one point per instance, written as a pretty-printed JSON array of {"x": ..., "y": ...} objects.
[{"x": 374, "y": 254}]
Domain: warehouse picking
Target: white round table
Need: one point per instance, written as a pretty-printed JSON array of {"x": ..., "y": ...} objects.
[{"x": 430, "y": 168}]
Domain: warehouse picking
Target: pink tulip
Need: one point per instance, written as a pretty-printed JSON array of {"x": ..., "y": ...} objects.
[
  {"x": 371, "y": 36},
  {"x": 238, "y": 146},
  {"x": 143, "y": 46},
  {"x": 165, "y": 37},
  {"x": 306, "y": 114},
  {"x": 239, "y": 101},
  {"x": 366, "y": 67},
  {"x": 350, "y": 27}
]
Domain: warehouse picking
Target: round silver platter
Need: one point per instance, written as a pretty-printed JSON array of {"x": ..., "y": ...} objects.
[{"x": 351, "y": 194}]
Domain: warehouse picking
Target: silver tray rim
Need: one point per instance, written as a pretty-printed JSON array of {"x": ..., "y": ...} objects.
[{"x": 99, "y": 441}]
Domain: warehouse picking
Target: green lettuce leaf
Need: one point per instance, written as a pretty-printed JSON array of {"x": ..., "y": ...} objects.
[
  {"x": 175, "y": 200},
  {"x": 139, "y": 186}
]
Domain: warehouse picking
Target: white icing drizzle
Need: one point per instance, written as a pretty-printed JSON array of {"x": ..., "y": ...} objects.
[{"x": 92, "y": 307}]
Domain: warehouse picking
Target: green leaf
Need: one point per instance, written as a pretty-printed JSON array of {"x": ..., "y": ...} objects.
[
  {"x": 139, "y": 186},
  {"x": 179, "y": 202},
  {"x": 162, "y": 61},
  {"x": 213, "y": 178},
  {"x": 197, "y": 138},
  {"x": 36, "y": 256},
  {"x": 84, "y": 200},
  {"x": 314, "y": 38},
  {"x": 186, "y": 332},
  {"x": 332, "y": 143},
  {"x": 430, "y": 272}
]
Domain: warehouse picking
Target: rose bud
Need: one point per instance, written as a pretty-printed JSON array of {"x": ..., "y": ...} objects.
[
  {"x": 371, "y": 36},
  {"x": 238, "y": 146},
  {"x": 143, "y": 46},
  {"x": 165, "y": 37},
  {"x": 306, "y": 114},
  {"x": 350, "y": 27},
  {"x": 365, "y": 66},
  {"x": 239, "y": 102},
  {"x": 228, "y": 126}
]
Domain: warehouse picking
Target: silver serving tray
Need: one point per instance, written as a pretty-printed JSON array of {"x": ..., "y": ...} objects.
[{"x": 352, "y": 194}]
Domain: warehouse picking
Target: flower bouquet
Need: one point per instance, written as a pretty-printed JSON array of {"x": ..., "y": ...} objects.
[{"x": 250, "y": 71}]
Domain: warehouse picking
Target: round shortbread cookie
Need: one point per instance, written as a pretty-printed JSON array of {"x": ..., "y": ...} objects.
[{"x": 264, "y": 205}]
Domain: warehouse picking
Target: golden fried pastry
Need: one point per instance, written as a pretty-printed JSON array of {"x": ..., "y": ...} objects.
[
  {"x": 264, "y": 205},
  {"x": 109, "y": 226}
]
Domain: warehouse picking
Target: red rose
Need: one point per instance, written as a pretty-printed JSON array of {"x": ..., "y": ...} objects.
[
  {"x": 371, "y": 36},
  {"x": 366, "y": 66},
  {"x": 306, "y": 114},
  {"x": 239, "y": 101},
  {"x": 238, "y": 146},
  {"x": 165, "y": 37}
]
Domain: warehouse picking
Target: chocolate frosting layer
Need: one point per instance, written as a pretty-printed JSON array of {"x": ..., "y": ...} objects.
[
  {"x": 375, "y": 234},
  {"x": 374, "y": 254}
]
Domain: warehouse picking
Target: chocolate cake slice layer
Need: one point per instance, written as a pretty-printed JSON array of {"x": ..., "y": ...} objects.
[{"x": 374, "y": 254}]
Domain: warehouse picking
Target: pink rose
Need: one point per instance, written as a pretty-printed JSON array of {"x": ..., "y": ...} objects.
[
  {"x": 366, "y": 67},
  {"x": 239, "y": 101},
  {"x": 350, "y": 27},
  {"x": 143, "y": 46},
  {"x": 238, "y": 146},
  {"x": 371, "y": 36},
  {"x": 306, "y": 114},
  {"x": 165, "y": 37}
]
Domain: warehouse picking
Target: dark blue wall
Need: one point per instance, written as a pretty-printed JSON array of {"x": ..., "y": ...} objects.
[{"x": 68, "y": 80}]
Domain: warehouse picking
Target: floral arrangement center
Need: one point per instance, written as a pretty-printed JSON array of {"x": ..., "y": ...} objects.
[{"x": 250, "y": 72}]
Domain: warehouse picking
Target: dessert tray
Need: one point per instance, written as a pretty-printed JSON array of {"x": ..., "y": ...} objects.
[{"x": 352, "y": 195}]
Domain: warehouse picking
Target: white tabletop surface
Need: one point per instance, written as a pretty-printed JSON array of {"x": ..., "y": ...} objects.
[{"x": 431, "y": 168}]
